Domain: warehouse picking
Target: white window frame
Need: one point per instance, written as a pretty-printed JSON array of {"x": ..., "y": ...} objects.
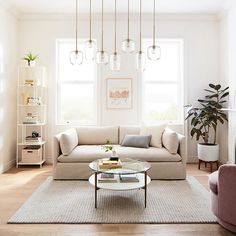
[
  {"x": 181, "y": 87},
  {"x": 59, "y": 120}
]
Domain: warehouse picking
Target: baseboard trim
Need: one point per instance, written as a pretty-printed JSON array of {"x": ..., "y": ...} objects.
[
  {"x": 8, "y": 166},
  {"x": 49, "y": 160}
]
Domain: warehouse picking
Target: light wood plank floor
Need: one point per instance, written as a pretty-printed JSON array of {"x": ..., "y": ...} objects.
[{"x": 18, "y": 184}]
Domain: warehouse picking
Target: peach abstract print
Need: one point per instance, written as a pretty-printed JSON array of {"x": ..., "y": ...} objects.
[{"x": 119, "y": 93}]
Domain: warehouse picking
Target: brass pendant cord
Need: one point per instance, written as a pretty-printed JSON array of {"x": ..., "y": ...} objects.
[
  {"x": 128, "y": 33},
  {"x": 154, "y": 23},
  {"x": 76, "y": 28},
  {"x": 140, "y": 25},
  {"x": 115, "y": 27},
  {"x": 90, "y": 20},
  {"x": 102, "y": 26}
]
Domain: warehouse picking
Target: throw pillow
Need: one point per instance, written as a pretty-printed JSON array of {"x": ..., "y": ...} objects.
[
  {"x": 156, "y": 131},
  {"x": 140, "y": 141},
  {"x": 68, "y": 141},
  {"x": 170, "y": 141}
]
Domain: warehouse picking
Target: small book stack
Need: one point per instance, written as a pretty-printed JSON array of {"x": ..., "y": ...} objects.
[
  {"x": 110, "y": 163},
  {"x": 31, "y": 139},
  {"x": 106, "y": 178},
  {"x": 128, "y": 178}
]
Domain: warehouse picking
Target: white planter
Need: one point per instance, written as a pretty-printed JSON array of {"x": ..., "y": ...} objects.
[
  {"x": 208, "y": 152},
  {"x": 32, "y": 63}
]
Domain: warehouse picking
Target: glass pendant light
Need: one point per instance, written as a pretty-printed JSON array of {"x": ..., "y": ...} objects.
[
  {"x": 102, "y": 56},
  {"x": 128, "y": 45},
  {"x": 90, "y": 44},
  {"x": 140, "y": 55},
  {"x": 154, "y": 51},
  {"x": 115, "y": 57},
  {"x": 76, "y": 57}
]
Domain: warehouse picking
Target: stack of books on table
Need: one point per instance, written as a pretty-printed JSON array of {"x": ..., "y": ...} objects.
[
  {"x": 110, "y": 163},
  {"x": 132, "y": 178},
  {"x": 106, "y": 178}
]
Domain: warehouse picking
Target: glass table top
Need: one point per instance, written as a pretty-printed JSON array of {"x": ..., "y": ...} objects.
[{"x": 127, "y": 166}]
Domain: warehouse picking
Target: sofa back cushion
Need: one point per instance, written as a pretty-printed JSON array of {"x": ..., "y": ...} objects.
[
  {"x": 128, "y": 130},
  {"x": 170, "y": 140},
  {"x": 68, "y": 141},
  {"x": 156, "y": 131},
  {"x": 97, "y": 135}
]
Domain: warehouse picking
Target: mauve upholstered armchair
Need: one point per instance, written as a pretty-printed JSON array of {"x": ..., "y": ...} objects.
[{"x": 223, "y": 196}]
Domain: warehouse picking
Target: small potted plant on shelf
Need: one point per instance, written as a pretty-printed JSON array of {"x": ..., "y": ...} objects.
[
  {"x": 30, "y": 58},
  {"x": 205, "y": 119}
]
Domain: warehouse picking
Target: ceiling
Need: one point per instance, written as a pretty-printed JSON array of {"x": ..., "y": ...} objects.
[{"x": 163, "y": 6}]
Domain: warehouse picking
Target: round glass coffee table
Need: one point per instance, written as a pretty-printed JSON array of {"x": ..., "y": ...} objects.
[{"x": 129, "y": 167}]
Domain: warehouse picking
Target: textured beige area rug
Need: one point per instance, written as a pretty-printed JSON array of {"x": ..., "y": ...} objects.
[{"x": 72, "y": 202}]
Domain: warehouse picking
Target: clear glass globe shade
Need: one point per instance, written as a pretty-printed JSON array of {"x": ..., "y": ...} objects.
[
  {"x": 128, "y": 46},
  {"x": 90, "y": 47},
  {"x": 154, "y": 52},
  {"x": 115, "y": 62},
  {"x": 140, "y": 61},
  {"x": 102, "y": 57},
  {"x": 76, "y": 58}
]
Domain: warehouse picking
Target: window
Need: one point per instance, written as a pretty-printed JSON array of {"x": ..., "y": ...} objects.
[
  {"x": 163, "y": 84},
  {"x": 76, "y": 88}
]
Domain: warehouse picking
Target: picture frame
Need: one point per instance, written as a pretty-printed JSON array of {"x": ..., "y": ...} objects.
[{"x": 119, "y": 93}]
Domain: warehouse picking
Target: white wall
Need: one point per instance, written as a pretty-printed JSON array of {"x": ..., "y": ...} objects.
[
  {"x": 224, "y": 80},
  {"x": 8, "y": 78},
  {"x": 228, "y": 27},
  {"x": 200, "y": 33}
]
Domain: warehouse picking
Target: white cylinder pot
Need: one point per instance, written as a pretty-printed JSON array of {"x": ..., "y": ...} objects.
[
  {"x": 208, "y": 152},
  {"x": 32, "y": 63}
]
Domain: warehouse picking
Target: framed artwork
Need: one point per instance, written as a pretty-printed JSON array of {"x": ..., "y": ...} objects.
[{"x": 119, "y": 93}]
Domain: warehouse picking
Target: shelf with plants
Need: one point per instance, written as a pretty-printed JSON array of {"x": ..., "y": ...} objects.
[{"x": 31, "y": 115}]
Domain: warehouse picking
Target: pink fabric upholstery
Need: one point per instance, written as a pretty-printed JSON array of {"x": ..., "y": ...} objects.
[
  {"x": 213, "y": 182},
  {"x": 223, "y": 191}
]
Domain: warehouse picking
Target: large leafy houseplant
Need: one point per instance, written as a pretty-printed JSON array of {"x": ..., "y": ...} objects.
[{"x": 206, "y": 117}]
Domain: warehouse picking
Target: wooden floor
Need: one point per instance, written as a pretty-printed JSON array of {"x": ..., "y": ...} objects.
[{"x": 18, "y": 184}]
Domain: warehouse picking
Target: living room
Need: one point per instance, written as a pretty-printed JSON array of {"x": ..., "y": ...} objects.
[{"x": 143, "y": 66}]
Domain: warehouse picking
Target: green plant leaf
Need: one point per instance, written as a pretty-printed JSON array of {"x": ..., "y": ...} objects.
[
  {"x": 212, "y": 86},
  {"x": 210, "y": 91},
  {"x": 222, "y": 91},
  {"x": 224, "y": 95},
  {"x": 218, "y": 86},
  {"x": 204, "y": 101}
]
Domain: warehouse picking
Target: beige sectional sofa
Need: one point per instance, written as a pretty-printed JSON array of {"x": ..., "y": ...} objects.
[{"x": 87, "y": 143}]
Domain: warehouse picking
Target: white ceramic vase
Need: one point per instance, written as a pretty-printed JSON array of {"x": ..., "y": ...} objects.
[
  {"x": 208, "y": 153},
  {"x": 32, "y": 63},
  {"x": 113, "y": 154}
]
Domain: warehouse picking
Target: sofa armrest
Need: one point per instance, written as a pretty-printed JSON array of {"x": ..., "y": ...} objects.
[
  {"x": 227, "y": 193},
  {"x": 182, "y": 148},
  {"x": 227, "y": 177},
  {"x": 56, "y": 148}
]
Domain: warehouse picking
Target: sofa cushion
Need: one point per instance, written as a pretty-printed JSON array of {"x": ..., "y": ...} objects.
[
  {"x": 97, "y": 135},
  {"x": 156, "y": 131},
  {"x": 88, "y": 153},
  {"x": 213, "y": 182},
  {"x": 141, "y": 141},
  {"x": 150, "y": 154},
  {"x": 170, "y": 140},
  {"x": 125, "y": 130},
  {"x": 85, "y": 153},
  {"x": 68, "y": 141}
]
